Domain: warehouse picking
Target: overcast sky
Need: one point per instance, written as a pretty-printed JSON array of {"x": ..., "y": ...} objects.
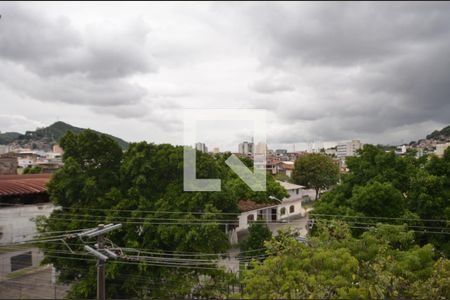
[{"x": 325, "y": 72}]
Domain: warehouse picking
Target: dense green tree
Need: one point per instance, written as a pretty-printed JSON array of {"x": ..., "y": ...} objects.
[
  {"x": 373, "y": 164},
  {"x": 376, "y": 199},
  {"x": 394, "y": 189},
  {"x": 382, "y": 263},
  {"x": 32, "y": 170},
  {"x": 142, "y": 188},
  {"x": 315, "y": 171},
  {"x": 258, "y": 234}
]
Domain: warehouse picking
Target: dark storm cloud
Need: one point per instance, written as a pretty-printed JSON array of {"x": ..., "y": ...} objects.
[
  {"x": 324, "y": 71},
  {"x": 45, "y": 58},
  {"x": 347, "y": 33},
  {"x": 374, "y": 67}
]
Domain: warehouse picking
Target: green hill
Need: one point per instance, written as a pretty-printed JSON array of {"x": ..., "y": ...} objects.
[
  {"x": 443, "y": 134},
  {"x": 50, "y": 135},
  {"x": 8, "y": 137}
]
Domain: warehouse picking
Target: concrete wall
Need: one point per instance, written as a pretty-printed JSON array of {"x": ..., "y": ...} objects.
[
  {"x": 16, "y": 223},
  {"x": 243, "y": 217},
  {"x": 5, "y": 258},
  {"x": 286, "y": 205},
  {"x": 8, "y": 165}
]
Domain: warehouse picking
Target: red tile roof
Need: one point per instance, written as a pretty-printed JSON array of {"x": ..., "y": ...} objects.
[
  {"x": 23, "y": 184},
  {"x": 248, "y": 205}
]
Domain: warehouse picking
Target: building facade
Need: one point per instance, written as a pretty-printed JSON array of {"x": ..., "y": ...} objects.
[
  {"x": 201, "y": 147},
  {"x": 246, "y": 148},
  {"x": 347, "y": 149}
]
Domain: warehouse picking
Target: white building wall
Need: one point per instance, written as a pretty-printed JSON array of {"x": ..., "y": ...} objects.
[
  {"x": 286, "y": 205},
  {"x": 348, "y": 148},
  {"x": 440, "y": 149},
  {"x": 4, "y": 149},
  {"x": 5, "y": 259},
  {"x": 17, "y": 223},
  {"x": 243, "y": 217}
]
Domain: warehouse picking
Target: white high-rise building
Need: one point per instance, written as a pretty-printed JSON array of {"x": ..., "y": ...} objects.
[
  {"x": 348, "y": 148},
  {"x": 201, "y": 147},
  {"x": 246, "y": 148}
]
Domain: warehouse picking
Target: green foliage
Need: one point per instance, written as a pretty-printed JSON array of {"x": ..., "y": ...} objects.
[
  {"x": 258, "y": 234},
  {"x": 316, "y": 171},
  {"x": 375, "y": 199},
  {"x": 382, "y": 263},
  {"x": 381, "y": 184},
  {"x": 282, "y": 177},
  {"x": 32, "y": 170},
  {"x": 143, "y": 189}
]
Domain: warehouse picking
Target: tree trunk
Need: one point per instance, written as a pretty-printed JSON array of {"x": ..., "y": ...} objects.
[{"x": 317, "y": 194}]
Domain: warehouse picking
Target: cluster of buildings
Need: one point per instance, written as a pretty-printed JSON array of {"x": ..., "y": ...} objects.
[
  {"x": 281, "y": 161},
  {"x": 424, "y": 147},
  {"x": 15, "y": 160}
]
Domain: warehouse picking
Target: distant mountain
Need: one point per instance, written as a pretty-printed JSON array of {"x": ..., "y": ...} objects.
[
  {"x": 440, "y": 135},
  {"x": 8, "y": 137},
  {"x": 44, "y": 138}
]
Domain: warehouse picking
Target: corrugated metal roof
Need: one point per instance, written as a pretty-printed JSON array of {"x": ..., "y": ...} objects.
[
  {"x": 23, "y": 184},
  {"x": 248, "y": 205}
]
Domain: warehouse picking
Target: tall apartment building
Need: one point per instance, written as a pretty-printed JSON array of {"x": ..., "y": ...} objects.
[
  {"x": 201, "y": 147},
  {"x": 348, "y": 148},
  {"x": 261, "y": 148},
  {"x": 246, "y": 148}
]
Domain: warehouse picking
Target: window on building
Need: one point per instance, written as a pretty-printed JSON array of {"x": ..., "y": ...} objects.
[
  {"x": 21, "y": 261},
  {"x": 291, "y": 209},
  {"x": 283, "y": 211},
  {"x": 260, "y": 215},
  {"x": 250, "y": 218},
  {"x": 296, "y": 191}
]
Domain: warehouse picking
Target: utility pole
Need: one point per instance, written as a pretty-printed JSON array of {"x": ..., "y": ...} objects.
[
  {"x": 101, "y": 253},
  {"x": 100, "y": 267}
]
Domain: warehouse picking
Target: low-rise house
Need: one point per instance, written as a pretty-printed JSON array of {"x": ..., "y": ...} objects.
[
  {"x": 276, "y": 211},
  {"x": 291, "y": 206},
  {"x": 252, "y": 211},
  {"x": 22, "y": 199},
  {"x": 286, "y": 167}
]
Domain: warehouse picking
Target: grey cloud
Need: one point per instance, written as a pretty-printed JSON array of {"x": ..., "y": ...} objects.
[
  {"x": 45, "y": 58},
  {"x": 16, "y": 122},
  {"x": 270, "y": 86},
  {"x": 346, "y": 33},
  {"x": 27, "y": 37},
  {"x": 373, "y": 67},
  {"x": 49, "y": 46},
  {"x": 71, "y": 89}
]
